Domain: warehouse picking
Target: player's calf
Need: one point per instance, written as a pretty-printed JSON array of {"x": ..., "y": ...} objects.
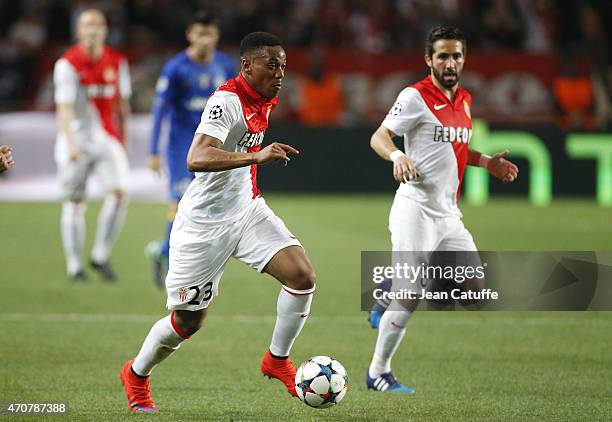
[
  {"x": 380, "y": 305},
  {"x": 471, "y": 285}
]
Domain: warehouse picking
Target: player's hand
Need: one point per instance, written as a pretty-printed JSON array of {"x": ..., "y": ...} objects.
[
  {"x": 501, "y": 168},
  {"x": 154, "y": 163},
  {"x": 6, "y": 158},
  {"x": 404, "y": 170},
  {"x": 74, "y": 153},
  {"x": 274, "y": 152}
]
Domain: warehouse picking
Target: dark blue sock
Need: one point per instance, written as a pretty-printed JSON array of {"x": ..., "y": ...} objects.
[{"x": 165, "y": 249}]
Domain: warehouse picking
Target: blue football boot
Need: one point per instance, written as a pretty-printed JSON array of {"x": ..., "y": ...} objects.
[{"x": 387, "y": 383}]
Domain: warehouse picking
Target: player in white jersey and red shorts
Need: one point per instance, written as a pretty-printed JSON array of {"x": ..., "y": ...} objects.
[
  {"x": 433, "y": 116},
  {"x": 223, "y": 215},
  {"x": 92, "y": 91}
]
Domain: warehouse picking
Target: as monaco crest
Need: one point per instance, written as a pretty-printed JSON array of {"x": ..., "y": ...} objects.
[
  {"x": 467, "y": 109},
  {"x": 182, "y": 294}
]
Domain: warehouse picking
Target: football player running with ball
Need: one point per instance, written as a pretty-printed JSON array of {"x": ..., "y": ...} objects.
[
  {"x": 223, "y": 215},
  {"x": 433, "y": 116}
]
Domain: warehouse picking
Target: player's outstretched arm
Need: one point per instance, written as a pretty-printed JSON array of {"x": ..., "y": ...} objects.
[
  {"x": 6, "y": 158},
  {"x": 206, "y": 154},
  {"x": 497, "y": 165},
  {"x": 403, "y": 168}
]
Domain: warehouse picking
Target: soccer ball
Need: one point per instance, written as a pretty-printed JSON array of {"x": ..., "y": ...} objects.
[{"x": 321, "y": 382}]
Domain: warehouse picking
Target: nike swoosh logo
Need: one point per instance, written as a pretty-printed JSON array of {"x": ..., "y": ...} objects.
[
  {"x": 439, "y": 106},
  {"x": 250, "y": 115}
]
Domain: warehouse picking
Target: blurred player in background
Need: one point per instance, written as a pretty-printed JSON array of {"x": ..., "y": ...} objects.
[
  {"x": 223, "y": 215},
  {"x": 433, "y": 116},
  {"x": 6, "y": 158},
  {"x": 92, "y": 90},
  {"x": 183, "y": 88}
]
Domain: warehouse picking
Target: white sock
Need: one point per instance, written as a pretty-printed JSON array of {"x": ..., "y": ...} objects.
[
  {"x": 390, "y": 334},
  {"x": 292, "y": 309},
  {"x": 110, "y": 221},
  {"x": 163, "y": 340},
  {"x": 73, "y": 234}
]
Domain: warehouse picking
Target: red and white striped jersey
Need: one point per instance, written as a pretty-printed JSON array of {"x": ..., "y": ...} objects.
[
  {"x": 436, "y": 134},
  {"x": 238, "y": 116},
  {"x": 95, "y": 88}
]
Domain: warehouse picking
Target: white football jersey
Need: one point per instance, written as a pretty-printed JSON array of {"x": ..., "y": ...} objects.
[
  {"x": 237, "y": 116},
  {"x": 436, "y": 134}
]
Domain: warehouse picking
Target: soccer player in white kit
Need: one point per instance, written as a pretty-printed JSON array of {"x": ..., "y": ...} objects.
[
  {"x": 223, "y": 215},
  {"x": 92, "y": 91},
  {"x": 433, "y": 116}
]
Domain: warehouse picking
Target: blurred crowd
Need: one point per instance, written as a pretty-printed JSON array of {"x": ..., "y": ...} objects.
[{"x": 567, "y": 29}]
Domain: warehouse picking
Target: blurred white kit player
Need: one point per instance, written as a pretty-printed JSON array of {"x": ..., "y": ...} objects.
[{"x": 92, "y": 89}]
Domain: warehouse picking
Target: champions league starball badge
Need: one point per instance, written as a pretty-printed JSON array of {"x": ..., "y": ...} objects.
[{"x": 215, "y": 112}]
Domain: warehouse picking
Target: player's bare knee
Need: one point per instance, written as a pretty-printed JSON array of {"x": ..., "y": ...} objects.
[
  {"x": 303, "y": 278},
  {"x": 474, "y": 284},
  {"x": 190, "y": 322},
  {"x": 120, "y": 194},
  {"x": 407, "y": 304}
]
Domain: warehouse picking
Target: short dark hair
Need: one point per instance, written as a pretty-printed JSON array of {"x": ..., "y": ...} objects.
[
  {"x": 202, "y": 17},
  {"x": 443, "y": 32},
  {"x": 257, "y": 40}
]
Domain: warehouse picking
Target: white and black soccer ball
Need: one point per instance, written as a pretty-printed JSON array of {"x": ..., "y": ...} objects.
[{"x": 321, "y": 382}]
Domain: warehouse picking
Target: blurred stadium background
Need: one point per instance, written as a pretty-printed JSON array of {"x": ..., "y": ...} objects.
[
  {"x": 541, "y": 67},
  {"x": 541, "y": 78}
]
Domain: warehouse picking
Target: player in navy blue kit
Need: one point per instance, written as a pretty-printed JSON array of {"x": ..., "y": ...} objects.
[{"x": 184, "y": 86}]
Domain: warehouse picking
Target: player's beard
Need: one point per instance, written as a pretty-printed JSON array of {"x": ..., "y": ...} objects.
[{"x": 446, "y": 83}]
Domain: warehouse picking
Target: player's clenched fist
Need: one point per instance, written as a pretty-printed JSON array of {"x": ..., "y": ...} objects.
[
  {"x": 274, "y": 152},
  {"x": 6, "y": 158}
]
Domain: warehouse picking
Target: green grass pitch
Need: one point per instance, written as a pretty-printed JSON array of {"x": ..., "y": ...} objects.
[{"x": 65, "y": 342}]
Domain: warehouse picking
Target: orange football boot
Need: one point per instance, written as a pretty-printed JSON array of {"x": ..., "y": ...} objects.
[
  {"x": 281, "y": 369},
  {"x": 137, "y": 390}
]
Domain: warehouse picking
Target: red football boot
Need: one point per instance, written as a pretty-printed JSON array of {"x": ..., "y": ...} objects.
[
  {"x": 138, "y": 390},
  {"x": 281, "y": 369}
]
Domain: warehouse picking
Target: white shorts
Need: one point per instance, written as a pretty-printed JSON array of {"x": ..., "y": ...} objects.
[
  {"x": 105, "y": 157},
  {"x": 413, "y": 230},
  {"x": 198, "y": 253}
]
